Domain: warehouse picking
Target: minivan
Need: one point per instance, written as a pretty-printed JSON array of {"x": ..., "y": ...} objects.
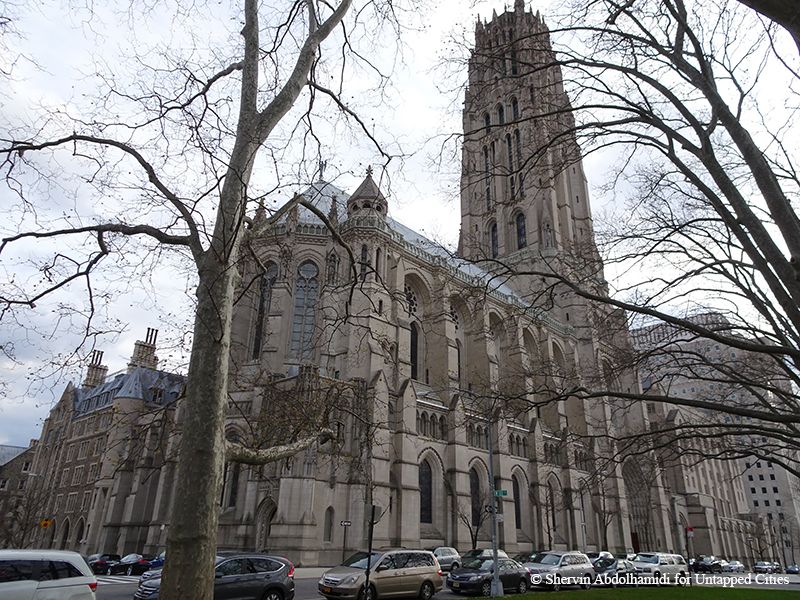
[
  {"x": 45, "y": 575},
  {"x": 393, "y": 574}
]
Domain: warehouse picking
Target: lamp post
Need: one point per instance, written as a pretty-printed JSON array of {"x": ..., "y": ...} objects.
[{"x": 497, "y": 588}]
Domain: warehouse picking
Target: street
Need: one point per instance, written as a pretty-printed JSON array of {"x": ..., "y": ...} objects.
[{"x": 123, "y": 588}]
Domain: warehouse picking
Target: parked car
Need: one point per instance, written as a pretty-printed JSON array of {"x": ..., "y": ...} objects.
[
  {"x": 241, "y": 576},
  {"x": 475, "y": 577},
  {"x": 150, "y": 574},
  {"x": 734, "y": 566},
  {"x": 660, "y": 565},
  {"x": 131, "y": 564},
  {"x": 763, "y": 567},
  {"x": 45, "y": 575},
  {"x": 101, "y": 563},
  {"x": 448, "y": 558},
  {"x": 593, "y": 556},
  {"x": 708, "y": 564},
  {"x": 776, "y": 568},
  {"x": 481, "y": 553},
  {"x": 158, "y": 561},
  {"x": 793, "y": 570},
  {"x": 393, "y": 573},
  {"x": 557, "y": 569},
  {"x": 617, "y": 571}
]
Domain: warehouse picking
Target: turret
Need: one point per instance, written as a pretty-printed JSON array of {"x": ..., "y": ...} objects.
[{"x": 367, "y": 199}]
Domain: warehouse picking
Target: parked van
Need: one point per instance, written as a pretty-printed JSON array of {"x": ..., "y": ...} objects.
[
  {"x": 660, "y": 565},
  {"x": 393, "y": 574},
  {"x": 45, "y": 575}
]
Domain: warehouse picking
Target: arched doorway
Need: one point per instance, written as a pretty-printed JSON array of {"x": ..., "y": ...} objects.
[
  {"x": 64, "y": 535},
  {"x": 51, "y": 535},
  {"x": 79, "y": 533},
  {"x": 264, "y": 517},
  {"x": 640, "y": 515}
]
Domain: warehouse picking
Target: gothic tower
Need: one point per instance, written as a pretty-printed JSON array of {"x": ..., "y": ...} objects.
[{"x": 524, "y": 197}]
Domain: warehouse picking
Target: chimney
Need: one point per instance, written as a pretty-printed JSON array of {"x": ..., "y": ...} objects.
[
  {"x": 95, "y": 373},
  {"x": 144, "y": 352}
]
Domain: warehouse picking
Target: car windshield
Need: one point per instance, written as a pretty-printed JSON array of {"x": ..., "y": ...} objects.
[
  {"x": 479, "y": 564},
  {"x": 522, "y": 557},
  {"x": 646, "y": 558},
  {"x": 592, "y": 554},
  {"x": 546, "y": 559},
  {"x": 359, "y": 560},
  {"x": 605, "y": 562}
]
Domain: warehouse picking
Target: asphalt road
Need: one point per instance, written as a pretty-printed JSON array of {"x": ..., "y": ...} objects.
[{"x": 306, "y": 589}]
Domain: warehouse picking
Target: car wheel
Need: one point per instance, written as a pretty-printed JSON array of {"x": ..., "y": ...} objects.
[
  {"x": 588, "y": 584},
  {"x": 657, "y": 576},
  {"x": 523, "y": 586},
  {"x": 368, "y": 594},
  {"x": 455, "y": 565},
  {"x": 273, "y": 595},
  {"x": 129, "y": 571},
  {"x": 426, "y": 592},
  {"x": 557, "y": 584},
  {"x": 486, "y": 589}
]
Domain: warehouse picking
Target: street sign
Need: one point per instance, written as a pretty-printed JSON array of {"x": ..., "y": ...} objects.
[
  {"x": 345, "y": 523},
  {"x": 489, "y": 509},
  {"x": 501, "y": 493}
]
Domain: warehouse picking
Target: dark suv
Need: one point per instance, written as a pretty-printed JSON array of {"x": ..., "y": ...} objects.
[{"x": 243, "y": 576}]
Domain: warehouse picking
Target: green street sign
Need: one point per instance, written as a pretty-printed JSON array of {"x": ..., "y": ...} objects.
[{"x": 501, "y": 493}]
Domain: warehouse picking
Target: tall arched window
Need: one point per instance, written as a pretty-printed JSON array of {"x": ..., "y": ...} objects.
[
  {"x": 517, "y": 503},
  {"x": 264, "y": 298},
  {"x": 364, "y": 262},
  {"x": 475, "y": 496},
  {"x": 493, "y": 243},
  {"x": 306, "y": 291},
  {"x": 515, "y": 108},
  {"x": 459, "y": 359},
  {"x": 487, "y": 121},
  {"x": 501, "y": 113},
  {"x": 425, "y": 493},
  {"x": 518, "y": 149},
  {"x": 487, "y": 168},
  {"x": 327, "y": 535},
  {"x": 522, "y": 234},
  {"x": 414, "y": 351},
  {"x": 551, "y": 508},
  {"x": 377, "y": 264},
  {"x": 510, "y": 153},
  {"x": 233, "y": 493}
]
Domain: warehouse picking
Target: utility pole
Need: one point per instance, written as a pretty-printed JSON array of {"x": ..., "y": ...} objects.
[{"x": 497, "y": 588}]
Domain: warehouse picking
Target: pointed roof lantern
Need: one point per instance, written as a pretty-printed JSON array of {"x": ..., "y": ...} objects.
[{"x": 367, "y": 199}]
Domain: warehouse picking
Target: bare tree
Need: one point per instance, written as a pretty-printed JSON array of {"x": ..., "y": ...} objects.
[
  {"x": 220, "y": 114},
  {"x": 708, "y": 245}
]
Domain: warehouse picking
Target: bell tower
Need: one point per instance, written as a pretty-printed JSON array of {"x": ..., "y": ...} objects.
[{"x": 523, "y": 192}]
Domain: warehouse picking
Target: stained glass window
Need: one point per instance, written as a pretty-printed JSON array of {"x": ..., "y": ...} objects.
[
  {"x": 425, "y": 493},
  {"x": 306, "y": 292}
]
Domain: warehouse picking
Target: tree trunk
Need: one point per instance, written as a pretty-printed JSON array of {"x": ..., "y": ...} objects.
[{"x": 192, "y": 540}]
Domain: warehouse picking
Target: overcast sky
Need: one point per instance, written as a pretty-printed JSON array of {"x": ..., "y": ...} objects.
[{"x": 421, "y": 108}]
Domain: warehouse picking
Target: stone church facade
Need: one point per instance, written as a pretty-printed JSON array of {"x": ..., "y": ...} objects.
[
  {"x": 439, "y": 354},
  {"x": 448, "y": 350}
]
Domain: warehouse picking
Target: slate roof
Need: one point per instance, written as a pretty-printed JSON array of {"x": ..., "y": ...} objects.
[
  {"x": 140, "y": 384},
  {"x": 323, "y": 195},
  {"x": 8, "y": 453}
]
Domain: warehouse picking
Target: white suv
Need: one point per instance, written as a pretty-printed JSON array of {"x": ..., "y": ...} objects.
[
  {"x": 660, "y": 566},
  {"x": 45, "y": 575}
]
